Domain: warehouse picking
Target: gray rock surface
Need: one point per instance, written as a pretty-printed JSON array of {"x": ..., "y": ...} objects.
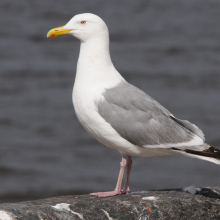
[{"x": 189, "y": 203}]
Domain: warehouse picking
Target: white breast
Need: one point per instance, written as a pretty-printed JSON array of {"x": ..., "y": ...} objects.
[
  {"x": 85, "y": 96},
  {"x": 84, "y": 101}
]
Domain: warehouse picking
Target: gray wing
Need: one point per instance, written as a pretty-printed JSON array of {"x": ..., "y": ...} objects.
[{"x": 141, "y": 120}]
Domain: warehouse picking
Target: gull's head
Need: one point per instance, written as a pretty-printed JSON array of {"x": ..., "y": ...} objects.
[{"x": 82, "y": 26}]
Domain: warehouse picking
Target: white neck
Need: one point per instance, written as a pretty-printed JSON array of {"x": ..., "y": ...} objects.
[{"x": 94, "y": 63}]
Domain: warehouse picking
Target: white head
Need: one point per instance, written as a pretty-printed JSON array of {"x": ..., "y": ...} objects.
[{"x": 83, "y": 26}]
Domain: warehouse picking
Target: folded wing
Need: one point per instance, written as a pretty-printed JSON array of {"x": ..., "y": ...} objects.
[{"x": 141, "y": 120}]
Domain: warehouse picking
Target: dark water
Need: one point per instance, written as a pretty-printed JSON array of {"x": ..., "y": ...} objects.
[{"x": 169, "y": 49}]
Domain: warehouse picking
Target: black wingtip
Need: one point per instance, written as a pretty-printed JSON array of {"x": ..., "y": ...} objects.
[{"x": 212, "y": 152}]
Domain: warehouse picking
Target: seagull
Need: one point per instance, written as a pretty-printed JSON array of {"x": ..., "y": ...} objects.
[{"x": 118, "y": 114}]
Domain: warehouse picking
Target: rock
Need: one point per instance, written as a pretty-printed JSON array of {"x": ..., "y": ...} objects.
[{"x": 190, "y": 203}]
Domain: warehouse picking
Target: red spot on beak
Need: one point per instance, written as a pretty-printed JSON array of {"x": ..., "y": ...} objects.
[{"x": 53, "y": 35}]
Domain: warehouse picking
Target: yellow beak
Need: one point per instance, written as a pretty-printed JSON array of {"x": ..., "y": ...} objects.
[{"x": 58, "y": 31}]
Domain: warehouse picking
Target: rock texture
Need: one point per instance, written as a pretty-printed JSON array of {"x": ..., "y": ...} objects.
[{"x": 189, "y": 203}]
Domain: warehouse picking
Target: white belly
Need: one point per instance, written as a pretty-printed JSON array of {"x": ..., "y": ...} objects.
[
  {"x": 87, "y": 114},
  {"x": 94, "y": 124}
]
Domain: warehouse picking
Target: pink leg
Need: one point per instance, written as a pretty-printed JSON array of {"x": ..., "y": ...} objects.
[
  {"x": 126, "y": 186},
  {"x": 117, "y": 190}
]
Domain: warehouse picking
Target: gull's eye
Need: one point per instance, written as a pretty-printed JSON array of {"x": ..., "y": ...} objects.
[{"x": 83, "y": 22}]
